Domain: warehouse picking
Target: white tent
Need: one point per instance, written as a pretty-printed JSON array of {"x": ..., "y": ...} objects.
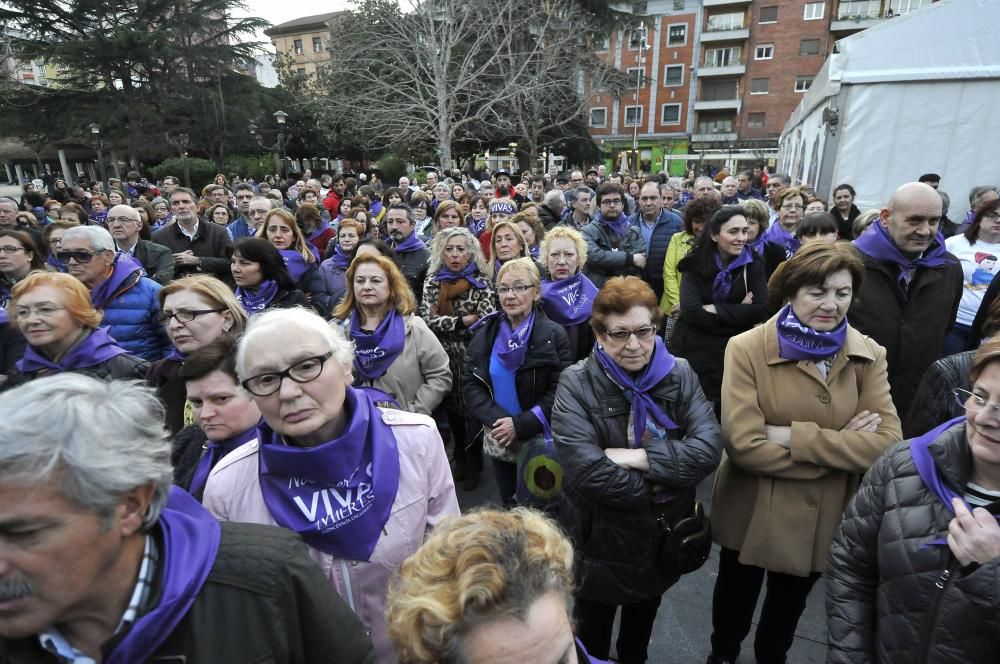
[{"x": 914, "y": 94}]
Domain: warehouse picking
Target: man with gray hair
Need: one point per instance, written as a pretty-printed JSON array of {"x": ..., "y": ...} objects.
[
  {"x": 978, "y": 196},
  {"x": 257, "y": 211},
  {"x": 551, "y": 209},
  {"x": 198, "y": 247},
  {"x": 119, "y": 288},
  {"x": 124, "y": 223},
  {"x": 103, "y": 560}
]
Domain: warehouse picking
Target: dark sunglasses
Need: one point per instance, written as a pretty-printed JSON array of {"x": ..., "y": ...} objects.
[{"x": 80, "y": 256}]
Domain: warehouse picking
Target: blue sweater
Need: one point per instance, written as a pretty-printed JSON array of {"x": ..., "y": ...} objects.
[{"x": 131, "y": 317}]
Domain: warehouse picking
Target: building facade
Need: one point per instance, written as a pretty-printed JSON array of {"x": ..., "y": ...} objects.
[{"x": 305, "y": 40}]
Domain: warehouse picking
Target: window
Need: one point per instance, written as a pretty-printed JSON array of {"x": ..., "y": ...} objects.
[
  {"x": 906, "y": 6},
  {"x": 715, "y": 124},
  {"x": 858, "y": 9},
  {"x": 809, "y": 47},
  {"x": 730, "y": 21},
  {"x": 756, "y": 120},
  {"x": 636, "y": 38},
  {"x": 317, "y": 44},
  {"x": 769, "y": 14},
  {"x": 764, "y": 52},
  {"x": 633, "y": 116},
  {"x": 604, "y": 44},
  {"x": 677, "y": 35},
  {"x": 802, "y": 83},
  {"x": 673, "y": 75},
  {"x": 598, "y": 117},
  {"x": 635, "y": 74},
  {"x": 760, "y": 86},
  {"x": 722, "y": 57},
  {"x": 813, "y": 11},
  {"x": 671, "y": 114},
  {"x": 719, "y": 89},
  {"x": 301, "y": 71},
  {"x": 298, "y": 47}
]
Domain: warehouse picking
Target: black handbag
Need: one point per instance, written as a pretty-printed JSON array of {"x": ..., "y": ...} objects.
[{"x": 687, "y": 539}]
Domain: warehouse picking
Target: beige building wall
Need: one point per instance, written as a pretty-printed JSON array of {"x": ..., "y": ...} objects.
[{"x": 308, "y": 50}]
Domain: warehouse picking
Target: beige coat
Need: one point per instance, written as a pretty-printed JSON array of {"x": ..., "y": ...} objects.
[{"x": 780, "y": 507}]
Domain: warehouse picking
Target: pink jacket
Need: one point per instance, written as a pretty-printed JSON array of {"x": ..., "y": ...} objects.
[{"x": 425, "y": 497}]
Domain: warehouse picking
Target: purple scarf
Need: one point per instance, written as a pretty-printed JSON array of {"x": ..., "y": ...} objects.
[
  {"x": 797, "y": 341},
  {"x": 758, "y": 243},
  {"x": 375, "y": 352},
  {"x": 295, "y": 263},
  {"x": 468, "y": 273},
  {"x": 175, "y": 355},
  {"x": 568, "y": 301},
  {"x": 323, "y": 227},
  {"x": 723, "y": 284},
  {"x": 876, "y": 243},
  {"x": 96, "y": 347},
  {"x": 256, "y": 301},
  {"x": 216, "y": 450},
  {"x": 617, "y": 226},
  {"x": 338, "y": 496},
  {"x": 511, "y": 345},
  {"x": 534, "y": 251},
  {"x": 475, "y": 226},
  {"x": 191, "y": 542},
  {"x": 410, "y": 244},
  {"x": 380, "y": 397},
  {"x": 776, "y": 234},
  {"x": 98, "y": 218},
  {"x": 637, "y": 391},
  {"x": 122, "y": 270},
  {"x": 55, "y": 263},
  {"x": 339, "y": 259},
  {"x": 924, "y": 461}
]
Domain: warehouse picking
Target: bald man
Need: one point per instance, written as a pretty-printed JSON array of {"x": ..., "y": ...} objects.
[
  {"x": 124, "y": 224},
  {"x": 911, "y": 289}
]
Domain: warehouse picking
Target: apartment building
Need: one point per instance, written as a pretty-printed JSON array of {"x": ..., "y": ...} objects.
[{"x": 306, "y": 40}]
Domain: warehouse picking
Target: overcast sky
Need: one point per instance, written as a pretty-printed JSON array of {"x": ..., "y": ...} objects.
[{"x": 279, "y": 12}]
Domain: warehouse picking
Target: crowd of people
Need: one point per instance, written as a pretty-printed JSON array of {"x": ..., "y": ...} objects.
[{"x": 235, "y": 422}]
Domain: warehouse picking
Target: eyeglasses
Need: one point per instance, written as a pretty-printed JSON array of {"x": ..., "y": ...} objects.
[
  {"x": 519, "y": 289},
  {"x": 80, "y": 256},
  {"x": 641, "y": 333},
  {"x": 303, "y": 371},
  {"x": 793, "y": 207},
  {"x": 43, "y": 311},
  {"x": 186, "y": 316},
  {"x": 992, "y": 217},
  {"x": 120, "y": 221},
  {"x": 611, "y": 201},
  {"x": 11, "y": 250},
  {"x": 974, "y": 403}
]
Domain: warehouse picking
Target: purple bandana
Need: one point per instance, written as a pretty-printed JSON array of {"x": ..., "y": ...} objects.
[
  {"x": 122, "y": 270},
  {"x": 876, "y": 243},
  {"x": 191, "y": 542},
  {"x": 922, "y": 459},
  {"x": 380, "y": 397},
  {"x": 637, "y": 391},
  {"x": 339, "y": 259},
  {"x": 256, "y": 301},
  {"x": 568, "y": 301},
  {"x": 216, "y": 449},
  {"x": 475, "y": 226},
  {"x": 323, "y": 227},
  {"x": 512, "y": 344},
  {"x": 534, "y": 251},
  {"x": 175, "y": 355},
  {"x": 723, "y": 283},
  {"x": 98, "y": 218},
  {"x": 295, "y": 263},
  {"x": 797, "y": 341},
  {"x": 338, "y": 496},
  {"x": 758, "y": 243},
  {"x": 776, "y": 234},
  {"x": 617, "y": 226},
  {"x": 92, "y": 349},
  {"x": 410, "y": 244},
  {"x": 375, "y": 352},
  {"x": 468, "y": 273},
  {"x": 55, "y": 263}
]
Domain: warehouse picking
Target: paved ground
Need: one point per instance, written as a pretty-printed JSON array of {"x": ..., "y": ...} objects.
[{"x": 684, "y": 622}]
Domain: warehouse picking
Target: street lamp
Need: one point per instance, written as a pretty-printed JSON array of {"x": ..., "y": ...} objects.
[
  {"x": 279, "y": 146},
  {"x": 181, "y": 142},
  {"x": 513, "y": 154},
  {"x": 643, "y": 46},
  {"x": 95, "y": 134}
]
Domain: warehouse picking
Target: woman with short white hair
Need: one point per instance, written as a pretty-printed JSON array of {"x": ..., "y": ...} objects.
[{"x": 362, "y": 485}]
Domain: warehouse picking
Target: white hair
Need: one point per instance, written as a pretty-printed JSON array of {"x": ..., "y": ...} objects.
[
  {"x": 96, "y": 439},
  {"x": 99, "y": 239},
  {"x": 273, "y": 327}
]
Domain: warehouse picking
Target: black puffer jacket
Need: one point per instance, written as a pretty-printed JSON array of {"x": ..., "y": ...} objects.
[
  {"x": 265, "y": 600},
  {"x": 536, "y": 380},
  {"x": 934, "y": 403},
  {"x": 889, "y": 597},
  {"x": 607, "y": 509}
]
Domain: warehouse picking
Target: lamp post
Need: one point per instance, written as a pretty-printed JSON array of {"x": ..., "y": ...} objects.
[
  {"x": 95, "y": 134},
  {"x": 638, "y": 84},
  {"x": 181, "y": 142},
  {"x": 280, "y": 144},
  {"x": 513, "y": 154}
]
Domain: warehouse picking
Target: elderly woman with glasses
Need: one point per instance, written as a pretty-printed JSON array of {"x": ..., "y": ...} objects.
[
  {"x": 635, "y": 436},
  {"x": 195, "y": 311},
  {"x": 512, "y": 369},
  {"x": 791, "y": 205},
  {"x": 363, "y": 486},
  {"x": 913, "y": 569},
  {"x": 54, "y": 313}
]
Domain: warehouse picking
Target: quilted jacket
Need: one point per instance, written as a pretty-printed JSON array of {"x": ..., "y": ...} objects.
[
  {"x": 892, "y": 596},
  {"x": 131, "y": 317}
]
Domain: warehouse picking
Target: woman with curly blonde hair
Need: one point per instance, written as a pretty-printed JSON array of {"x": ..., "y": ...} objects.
[{"x": 488, "y": 586}]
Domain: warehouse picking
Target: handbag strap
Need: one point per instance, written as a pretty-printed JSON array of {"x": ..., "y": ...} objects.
[{"x": 546, "y": 430}]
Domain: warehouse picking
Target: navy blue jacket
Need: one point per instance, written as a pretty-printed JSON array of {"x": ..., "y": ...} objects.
[
  {"x": 666, "y": 225},
  {"x": 132, "y": 318}
]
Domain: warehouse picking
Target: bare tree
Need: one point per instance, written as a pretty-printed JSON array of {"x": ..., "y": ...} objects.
[{"x": 442, "y": 71}]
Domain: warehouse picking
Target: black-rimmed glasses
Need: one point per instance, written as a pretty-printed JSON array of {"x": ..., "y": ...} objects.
[
  {"x": 303, "y": 371},
  {"x": 186, "y": 315}
]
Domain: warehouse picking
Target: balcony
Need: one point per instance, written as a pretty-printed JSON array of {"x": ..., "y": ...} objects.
[
  {"x": 717, "y": 105},
  {"x": 713, "y": 138},
  {"x": 729, "y": 34},
  {"x": 853, "y": 15},
  {"x": 732, "y": 69},
  {"x": 723, "y": 3}
]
